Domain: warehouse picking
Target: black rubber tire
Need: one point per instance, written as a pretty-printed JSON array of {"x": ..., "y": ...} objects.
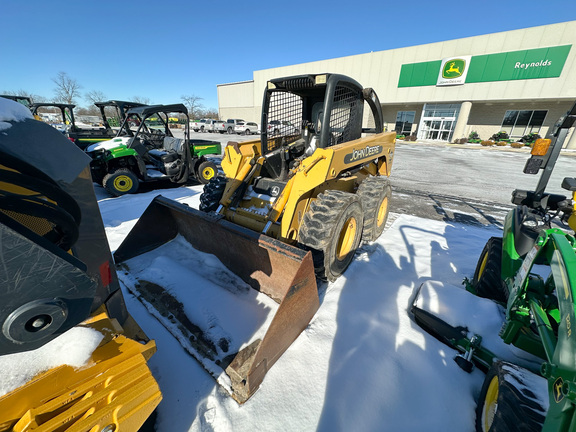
[
  {"x": 512, "y": 406},
  {"x": 247, "y": 132},
  {"x": 229, "y": 130},
  {"x": 330, "y": 216},
  {"x": 374, "y": 193},
  {"x": 487, "y": 280},
  {"x": 212, "y": 194},
  {"x": 121, "y": 182},
  {"x": 206, "y": 170}
]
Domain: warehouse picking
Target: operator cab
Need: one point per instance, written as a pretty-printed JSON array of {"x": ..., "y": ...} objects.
[{"x": 328, "y": 109}]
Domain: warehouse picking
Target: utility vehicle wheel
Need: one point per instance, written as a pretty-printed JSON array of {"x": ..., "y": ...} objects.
[
  {"x": 121, "y": 182},
  {"x": 206, "y": 171},
  {"x": 487, "y": 281},
  {"x": 229, "y": 130},
  {"x": 510, "y": 400},
  {"x": 332, "y": 230},
  {"x": 374, "y": 193},
  {"x": 212, "y": 194}
]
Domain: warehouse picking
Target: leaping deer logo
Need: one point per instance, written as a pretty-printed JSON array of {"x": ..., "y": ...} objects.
[
  {"x": 558, "y": 393},
  {"x": 453, "y": 68}
]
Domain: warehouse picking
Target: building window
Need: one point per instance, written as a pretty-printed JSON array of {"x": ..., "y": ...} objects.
[
  {"x": 520, "y": 123},
  {"x": 404, "y": 121}
]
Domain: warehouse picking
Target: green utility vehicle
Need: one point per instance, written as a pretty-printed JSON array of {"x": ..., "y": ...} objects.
[
  {"x": 531, "y": 272},
  {"x": 80, "y": 134},
  {"x": 145, "y": 150}
]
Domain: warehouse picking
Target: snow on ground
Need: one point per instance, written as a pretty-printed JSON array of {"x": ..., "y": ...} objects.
[{"x": 362, "y": 364}]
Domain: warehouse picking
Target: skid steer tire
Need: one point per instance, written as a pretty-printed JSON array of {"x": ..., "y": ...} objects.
[
  {"x": 206, "y": 171},
  {"x": 487, "y": 281},
  {"x": 374, "y": 193},
  {"x": 508, "y": 403},
  {"x": 212, "y": 194},
  {"x": 121, "y": 182},
  {"x": 332, "y": 230}
]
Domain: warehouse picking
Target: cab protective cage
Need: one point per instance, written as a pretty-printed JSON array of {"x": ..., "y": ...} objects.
[{"x": 301, "y": 99}]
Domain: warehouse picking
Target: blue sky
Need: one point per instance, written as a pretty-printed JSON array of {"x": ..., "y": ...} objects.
[{"x": 162, "y": 50}]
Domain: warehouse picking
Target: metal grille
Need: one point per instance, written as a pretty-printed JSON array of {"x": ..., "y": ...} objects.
[
  {"x": 346, "y": 115},
  {"x": 284, "y": 118}
]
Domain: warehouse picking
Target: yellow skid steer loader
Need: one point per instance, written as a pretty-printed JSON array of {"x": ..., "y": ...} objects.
[
  {"x": 292, "y": 206},
  {"x": 58, "y": 276}
]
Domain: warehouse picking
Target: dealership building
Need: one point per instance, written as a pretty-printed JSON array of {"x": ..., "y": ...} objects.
[{"x": 520, "y": 82}]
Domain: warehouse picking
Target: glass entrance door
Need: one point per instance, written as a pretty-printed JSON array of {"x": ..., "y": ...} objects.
[
  {"x": 438, "y": 122},
  {"x": 438, "y": 129}
]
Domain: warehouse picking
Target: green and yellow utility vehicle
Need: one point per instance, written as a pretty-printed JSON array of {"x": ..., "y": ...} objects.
[{"x": 145, "y": 150}]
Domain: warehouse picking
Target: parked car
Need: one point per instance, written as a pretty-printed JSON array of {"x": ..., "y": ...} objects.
[
  {"x": 231, "y": 124},
  {"x": 209, "y": 125},
  {"x": 247, "y": 128},
  {"x": 219, "y": 126},
  {"x": 198, "y": 125},
  {"x": 278, "y": 127}
]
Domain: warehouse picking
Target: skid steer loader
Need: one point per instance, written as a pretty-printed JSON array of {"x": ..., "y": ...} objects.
[
  {"x": 297, "y": 201},
  {"x": 58, "y": 275},
  {"x": 531, "y": 272},
  {"x": 321, "y": 187}
]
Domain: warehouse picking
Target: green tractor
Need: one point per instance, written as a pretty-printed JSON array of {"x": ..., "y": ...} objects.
[
  {"x": 145, "y": 150},
  {"x": 531, "y": 272}
]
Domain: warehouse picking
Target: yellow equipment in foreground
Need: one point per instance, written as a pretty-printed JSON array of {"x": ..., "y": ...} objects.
[
  {"x": 58, "y": 274},
  {"x": 293, "y": 205}
]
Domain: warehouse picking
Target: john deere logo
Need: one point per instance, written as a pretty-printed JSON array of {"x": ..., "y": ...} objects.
[
  {"x": 557, "y": 387},
  {"x": 363, "y": 153},
  {"x": 454, "y": 68}
]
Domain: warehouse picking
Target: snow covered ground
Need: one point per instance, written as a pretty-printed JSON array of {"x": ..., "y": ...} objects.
[{"x": 362, "y": 364}]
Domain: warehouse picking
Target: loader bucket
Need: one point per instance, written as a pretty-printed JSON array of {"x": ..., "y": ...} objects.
[{"x": 163, "y": 246}]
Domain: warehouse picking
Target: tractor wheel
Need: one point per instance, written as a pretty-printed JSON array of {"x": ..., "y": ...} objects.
[
  {"x": 121, "y": 182},
  {"x": 487, "y": 281},
  {"x": 332, "y": 230},
  {"x": 509, "y": 400},
  {"x": 206, "y": 170},
  {"x": 374, "y": 193},
  {"x": 212, "y": 194}
]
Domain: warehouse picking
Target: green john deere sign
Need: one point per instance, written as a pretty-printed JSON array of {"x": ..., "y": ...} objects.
[
  {"x": 507, "y": 66},
  {"x": 453, "y": 68}
]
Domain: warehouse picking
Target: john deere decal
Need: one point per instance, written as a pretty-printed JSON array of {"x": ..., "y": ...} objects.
[
  {"x": 363, "y": 153},
  {"x": 453, "y": 71}
]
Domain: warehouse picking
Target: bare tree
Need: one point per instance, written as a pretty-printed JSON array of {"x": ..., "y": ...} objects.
[
  {"x": 94, "y": 96},
  {"x": 192, "y": 102},
  {"x": 25, "y": 93},
  {"x": 67, "y": 89},
  {"x": 209, "y": 113},
  {"x": 142, "y": 100}
]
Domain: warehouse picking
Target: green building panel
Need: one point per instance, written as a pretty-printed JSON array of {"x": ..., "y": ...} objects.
[
  {"x": 419, "y": 74},
  {"x": 518, "y": 65}
]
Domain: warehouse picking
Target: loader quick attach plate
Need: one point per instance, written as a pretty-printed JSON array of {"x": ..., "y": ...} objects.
[
  {"x": 453, "y": 316},
  {"x": 246, "y": 296}
]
